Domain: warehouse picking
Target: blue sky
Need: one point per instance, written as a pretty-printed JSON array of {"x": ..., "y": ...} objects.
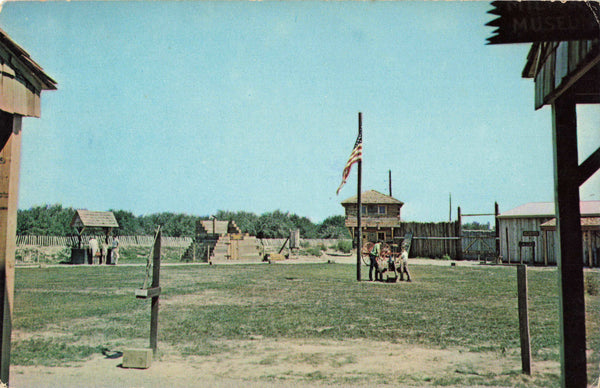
[{"x": 193, "y": 107}]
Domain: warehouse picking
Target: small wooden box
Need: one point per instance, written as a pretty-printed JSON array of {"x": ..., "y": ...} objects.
[{"x": 137, "y": 358}]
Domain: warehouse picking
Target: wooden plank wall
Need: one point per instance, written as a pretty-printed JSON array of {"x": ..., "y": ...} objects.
[
  {"x": 393, "y": 211},
  {"x": 432, "y": 247},
  {"x": 562, "y": 60},
  {"x": 15, "y": 96},
  {"x": 511, "y": 230}
]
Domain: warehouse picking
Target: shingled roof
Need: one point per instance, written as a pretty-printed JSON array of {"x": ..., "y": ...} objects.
[
  {"x": 372, "y": 197},
  {"x": 94, "y": 219},
  {"x": 547, "y": 209},
  {"x": 587, "y": 223},
  {"x": 34, "y": 70}
]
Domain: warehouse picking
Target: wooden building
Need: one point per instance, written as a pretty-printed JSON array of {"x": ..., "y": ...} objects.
[
  {"x": 590, "y": 229},
  {"x": 527, "y": 233},
  {"x": 21, "y": 84},
  {"x": 380, "y": 216}
]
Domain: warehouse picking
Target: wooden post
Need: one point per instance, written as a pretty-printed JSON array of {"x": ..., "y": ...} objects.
[
  {"x": 10, "y": 159},
  {"x": 507, "y": 246},
  {"x": 359, "y": 206},
  {"x": 523, "y": 319},
  {"x": 459, "y": 251},
  {"x": 497, "y": 227},
  {"x": 155, "y": 285},
  {"x": 570, "y": 259},
  {"x": 545, "y": 248},
  {"x": 390, "y": 181}
]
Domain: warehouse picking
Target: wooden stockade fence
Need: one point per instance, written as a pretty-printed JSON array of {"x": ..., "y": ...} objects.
[
  {"x": 433, "y": 239},
  {"x": 274, "y": 244},
  {"x": 172, "y": 242},
  {"x": 430, "y": 240}
]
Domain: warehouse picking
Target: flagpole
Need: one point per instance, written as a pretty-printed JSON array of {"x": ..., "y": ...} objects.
[{"x": 359, "y": 207}]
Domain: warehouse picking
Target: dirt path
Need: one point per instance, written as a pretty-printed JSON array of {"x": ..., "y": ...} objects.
[{"x": 288, "y": 363}]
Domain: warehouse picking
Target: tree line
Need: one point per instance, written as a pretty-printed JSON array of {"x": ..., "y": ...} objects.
[{"x": 55, "y": 220}]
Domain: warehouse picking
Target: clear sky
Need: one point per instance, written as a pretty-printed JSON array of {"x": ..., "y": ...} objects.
[{"x": 196, "y": 106}]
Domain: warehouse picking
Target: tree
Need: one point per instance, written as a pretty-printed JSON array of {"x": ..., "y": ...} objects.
[
  {"x": 476, "y": 226},
  {"x": 334, "y": 227},
  {"x": 55, "y": 220}
]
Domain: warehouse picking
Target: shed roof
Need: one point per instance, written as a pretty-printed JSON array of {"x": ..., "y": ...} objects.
[
  {"x": 94, "y": 219},
  {"x": 373, "y": 197},
  {"x": 587, "y": 223},
  {"x": 547, "y": 209}
]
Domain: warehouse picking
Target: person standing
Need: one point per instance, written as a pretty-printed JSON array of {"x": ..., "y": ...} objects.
[
  {"x": 93, "y": 243},
  {"x": 115, "y": 250},
  {"x": 404, "y": 264},
  {"x": 103, "y": 253},
  {"x": 373, "y": 264}
]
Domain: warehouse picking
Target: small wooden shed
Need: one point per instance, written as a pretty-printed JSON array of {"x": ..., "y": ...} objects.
[{"x": 527, "y": 236}]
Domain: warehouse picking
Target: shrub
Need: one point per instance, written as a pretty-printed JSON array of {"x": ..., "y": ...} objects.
[
  {"x": 344, "y": 246},
  {"x": 592, "y": 283},
  {"x": 446, "y": 257},
  {"x": 314, "y": 251}
]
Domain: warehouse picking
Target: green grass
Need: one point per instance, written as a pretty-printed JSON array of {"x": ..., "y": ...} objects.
[
  {"x": 474, "y": 308},
  {"x": 128, "y": 254}
]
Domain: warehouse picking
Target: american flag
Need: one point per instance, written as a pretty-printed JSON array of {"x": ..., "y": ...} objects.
[{"x": 355, "y": 156}]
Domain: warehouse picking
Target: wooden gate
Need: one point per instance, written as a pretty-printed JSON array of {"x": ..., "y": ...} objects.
[{"x": 478, "y": 244}]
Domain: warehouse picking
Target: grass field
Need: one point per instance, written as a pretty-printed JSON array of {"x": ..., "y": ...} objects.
[{"x": 65, "y": 315}]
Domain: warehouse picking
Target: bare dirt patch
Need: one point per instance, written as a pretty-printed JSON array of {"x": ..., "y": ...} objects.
[{"x": 278, "y": 363}]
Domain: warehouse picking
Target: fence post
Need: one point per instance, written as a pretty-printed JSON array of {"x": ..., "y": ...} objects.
[
  {"x": 459, "y": 252},
  {"x": 523, "y": 318}
]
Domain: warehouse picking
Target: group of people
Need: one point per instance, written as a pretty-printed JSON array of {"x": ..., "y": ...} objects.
[
  {"x": 375, "y": 255},
  {"x": 100, "y": 251}
]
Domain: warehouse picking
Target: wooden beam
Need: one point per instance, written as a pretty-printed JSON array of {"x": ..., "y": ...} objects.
[
  {"x": 589, "y": 167},
  {"x": 570, "y": 258},
  {"x": 10, "y": 158},
  {"x": 144, "y": 293},
  {"x": 155, "y": 285}
]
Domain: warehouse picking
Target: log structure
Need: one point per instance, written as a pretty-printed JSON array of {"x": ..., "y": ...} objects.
[
  {"x": 21, "y": 84},
  {"x": 565, "y": 67}
]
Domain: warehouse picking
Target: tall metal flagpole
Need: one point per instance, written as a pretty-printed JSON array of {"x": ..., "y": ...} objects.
[{"x": 359, "y": 206}]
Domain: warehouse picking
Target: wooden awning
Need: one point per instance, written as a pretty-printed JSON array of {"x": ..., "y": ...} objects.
[{"x": 94, "y": 219}]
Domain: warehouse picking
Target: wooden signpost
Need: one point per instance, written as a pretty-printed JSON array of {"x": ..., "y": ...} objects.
[
  {"x": 536, "y": 21},
  {"x": 142, "y": 358}
]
